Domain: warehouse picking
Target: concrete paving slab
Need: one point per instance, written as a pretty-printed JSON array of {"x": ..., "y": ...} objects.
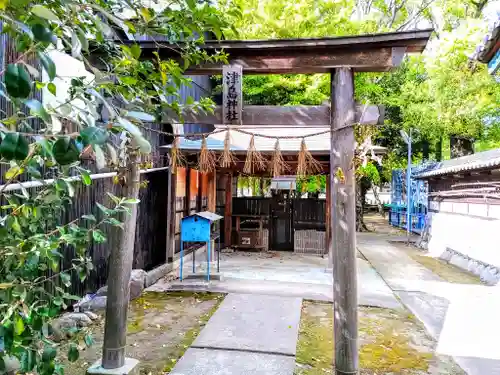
[
  {"x": 269, "y": 288},
  {"x": 429, "y": 309},
  {"x": 268, "y": 324},
  {"x": 479, "y": 366},
  {"x": 302, "y": 277},
  {"x": 226, "y": 362},
  {"x": 372, "y": 289}
]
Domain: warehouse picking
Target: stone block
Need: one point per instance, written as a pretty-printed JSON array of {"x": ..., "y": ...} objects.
[
  {"x": 81, "y": 319},
  {"x": 12, "y": 366},
  {"x": 91, "y": 315},
  {"x": 156, "y": 274},
  {"x": 137, "y": 284},
  {"x": 446, "y": 255},
  {"x": 489, "y": 276},
  {"x": 459, "y": 261},
  {"x": 480, "y": 269},
  {"x": 94, "y": 304},
  {"x": 454, "y": 259},
  {"x": 462, "y": 263},
  {"x": 129, "y": 368},
  {"x": 62, "y": 327},
  {"x": 102, "y": 291},
  {"x": 472, "y": 266}
]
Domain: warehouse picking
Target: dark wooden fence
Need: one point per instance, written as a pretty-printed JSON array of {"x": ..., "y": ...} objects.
[
  {"x": 283, "y": 216},
  {"x": 256, "y": 206},
  {"x": 309, "y": 213},
  {"x": 150, "y": 243},
  {"x": 151, "y": 230}
]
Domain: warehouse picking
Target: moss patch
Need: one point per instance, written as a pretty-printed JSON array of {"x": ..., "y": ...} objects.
[
  {"x": 315, "y": 345},
  {"x": 391, "y": 342},
  {"x": 161, "y": 326},
  {"x": 443, "y": 269},
  {"x": 388, "y": 344},
  {"x": 189, "y": 337}
]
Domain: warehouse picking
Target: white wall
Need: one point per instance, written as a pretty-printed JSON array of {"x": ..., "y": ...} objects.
[
  {"x": 66, "y": 68},
  {"x": 385, "y": 197},
  {"x": 472, "y": 229}
]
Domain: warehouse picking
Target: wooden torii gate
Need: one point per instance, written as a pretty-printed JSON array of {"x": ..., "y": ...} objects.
[{"x": 341, "y": 57}]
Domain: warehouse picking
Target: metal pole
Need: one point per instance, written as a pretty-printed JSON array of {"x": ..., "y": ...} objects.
[
  {"x": 121, "y": 259},
  {"x": 408, "y": 192},
  {"x": 194, "y": 261},
  {"x": 182, "y": 257},
  {"x": 208, "y": 259}
]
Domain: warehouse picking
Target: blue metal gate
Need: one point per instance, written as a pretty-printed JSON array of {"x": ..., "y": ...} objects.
[{"x": 418, "y": 200}]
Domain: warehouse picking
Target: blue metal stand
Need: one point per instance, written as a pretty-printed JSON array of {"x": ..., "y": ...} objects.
[{"x": 198, "y": 228}]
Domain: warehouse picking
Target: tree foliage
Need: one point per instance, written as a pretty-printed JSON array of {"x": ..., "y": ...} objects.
[
  {"x": 311, "y": 184},
  {"x": 439, "y": 94},
  {"x": 42, "y": 140}
]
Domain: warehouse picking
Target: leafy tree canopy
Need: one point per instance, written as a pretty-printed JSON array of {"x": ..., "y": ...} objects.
[{"x": 439, "y": 93}]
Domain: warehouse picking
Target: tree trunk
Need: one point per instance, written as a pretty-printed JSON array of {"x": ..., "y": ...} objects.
[
  {"x": 121, "y": 258},
  {"x": 460, "y": 146},
  {"x": 439, "y": 149},
  {"x": 425, "y": 149},
  {"x": 360, "y": 206},
  {"x": 376, "y": 195}
]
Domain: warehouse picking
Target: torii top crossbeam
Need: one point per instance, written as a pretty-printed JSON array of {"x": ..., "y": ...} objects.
[{"x": 363, "y": 53}]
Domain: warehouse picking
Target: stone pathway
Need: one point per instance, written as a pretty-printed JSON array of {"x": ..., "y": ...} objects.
[
  {"x": 287, "y": 275},
  {"x": 248, "y": 334},
  {"x": 463, "y": 319}
]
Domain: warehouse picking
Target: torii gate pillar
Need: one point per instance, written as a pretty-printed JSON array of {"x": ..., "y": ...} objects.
[{"x": 343, "y": 222}]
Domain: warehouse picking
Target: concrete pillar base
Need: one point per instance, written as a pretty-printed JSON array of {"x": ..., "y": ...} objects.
[{"x": 129, "y": 368}]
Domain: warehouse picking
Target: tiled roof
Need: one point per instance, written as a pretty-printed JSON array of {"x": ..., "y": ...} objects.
[
  {"x": 481, "y": 160},
  {"x": 483, "y": 50}
]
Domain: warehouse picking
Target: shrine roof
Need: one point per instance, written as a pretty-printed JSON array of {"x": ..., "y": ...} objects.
[
  {"x": 367, "y": 52},
  {"x": 414, "y": 40}
]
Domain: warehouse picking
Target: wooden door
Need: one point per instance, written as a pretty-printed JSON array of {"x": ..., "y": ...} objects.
[{"x": 281, "y": 221}]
